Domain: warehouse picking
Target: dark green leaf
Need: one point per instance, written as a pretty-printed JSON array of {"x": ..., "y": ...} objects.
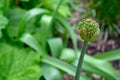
[
  {"x": 14, "y": 16},
  {"x": 29, "y": 15},
  {"x": 3, "y": 23}
]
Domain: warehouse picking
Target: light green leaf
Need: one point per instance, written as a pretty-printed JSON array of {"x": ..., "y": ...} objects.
[
  {"x": 3, "y": 23},
  {"x": 53, "y": 61},
  {"x": 51, "y": 73},
  {"x": 52, "y": 4},
  {"x": 98, "y": 66},
  {"x": 33, "y": 43},
  {"x": 67, "y": 55},
  {"x": 62, "y": 65},
  {"x": 109, "y": 56},
  {"x": 56, "y": 46},
  {"x": 45, "y": 31},
  {"x": 19, "y": 64}
]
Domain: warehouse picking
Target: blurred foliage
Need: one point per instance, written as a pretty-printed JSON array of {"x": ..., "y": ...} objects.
[
  {"x": 34, "y": 42},
  {"x": 108, "y": 14}
]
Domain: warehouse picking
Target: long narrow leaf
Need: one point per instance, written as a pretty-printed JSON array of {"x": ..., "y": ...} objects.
[
  {"x": 50, "y": 60},
  {"x": 109, "y": 56},
  {"x": 63, "y": 21},
  {"x": 100, "y": 67},
  {"x": 62, "y": 65}
]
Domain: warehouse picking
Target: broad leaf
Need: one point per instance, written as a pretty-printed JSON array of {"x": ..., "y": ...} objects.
[
  {"x": 56, "y": 46},
  {"x": 33, "y": 43},
  {"x": 19, "y": 64},
  {"x": 51, "y": 73}
]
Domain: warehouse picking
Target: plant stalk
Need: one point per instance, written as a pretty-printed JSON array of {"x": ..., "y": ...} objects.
[
  {"x": 79, "y": 67},
  {"x": 55, "y": 12}
]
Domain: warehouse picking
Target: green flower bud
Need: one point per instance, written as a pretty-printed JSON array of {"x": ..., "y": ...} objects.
[{"x": 89, "y": 30}]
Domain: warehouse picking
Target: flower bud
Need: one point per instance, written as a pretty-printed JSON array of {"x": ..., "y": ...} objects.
[{"x": 89, "y": 30}]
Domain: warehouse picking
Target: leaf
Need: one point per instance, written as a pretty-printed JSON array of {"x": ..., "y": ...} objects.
[
  {"x": 1, "y": 3},
  {"x": 56, "y": 46},
  {"x": 28, "y": 16},
  {"x": 67, "y": 55},
  {"x": 62, "y": 65},
  {"x": 98, "y": 66},
  {"x": 65, "y": 24},
  {"x": 25, "y": 0},
  {"x": 33, "y": 43},
  {"x": 51, "y": 73},
  {"x": 3, "y": 23},
  {"x": 52, "y": 61},
  {"x": 19, "y": 64},
  {"x": 52, "y": 4},
  {"x": 109, "y": 56},
  {"x": 45, "y": 31},
  {"x": 14, "y": 15}
]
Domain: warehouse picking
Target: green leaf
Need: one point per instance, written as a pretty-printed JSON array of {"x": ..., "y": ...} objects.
[
  {"x": 19, "y": 64},
  {"x": 31, "y": 41},
  {"x": 53, "y": 61},
  {"x": 51, "y": 73},
  {"x": 52, "y": 4},
  {"x": 56, "y": 46},
  {"x": 45, "y": 31},
  {"x": 3, "y": 23},
  {"x": 98, "y": 66},
  {"x": 109, "y": 56},
  {"x": 62, "y": 65},
  {"x": 28, "y": 16},
  {"x": 1, "y": 3},
  {"x": 25, "y": 0},
  {"x": 14, "y": 15},
  {"x": 67, "y": 55},
  {"x": 65, "y": 24}
]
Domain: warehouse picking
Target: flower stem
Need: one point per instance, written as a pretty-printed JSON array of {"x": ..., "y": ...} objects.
[
  {"x": 77, "y": 76},
  {"x": 56, "y": 10}
]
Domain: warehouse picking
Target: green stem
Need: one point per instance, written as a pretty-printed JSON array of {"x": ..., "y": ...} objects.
[
  {"x": 77, "y": 76},
  {"x": 55, "y": 12}
]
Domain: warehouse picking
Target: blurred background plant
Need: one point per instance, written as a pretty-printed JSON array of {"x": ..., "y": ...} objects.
[
  {"x": 29, "y": 27},
  {"x": 107, "y": 13}
]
